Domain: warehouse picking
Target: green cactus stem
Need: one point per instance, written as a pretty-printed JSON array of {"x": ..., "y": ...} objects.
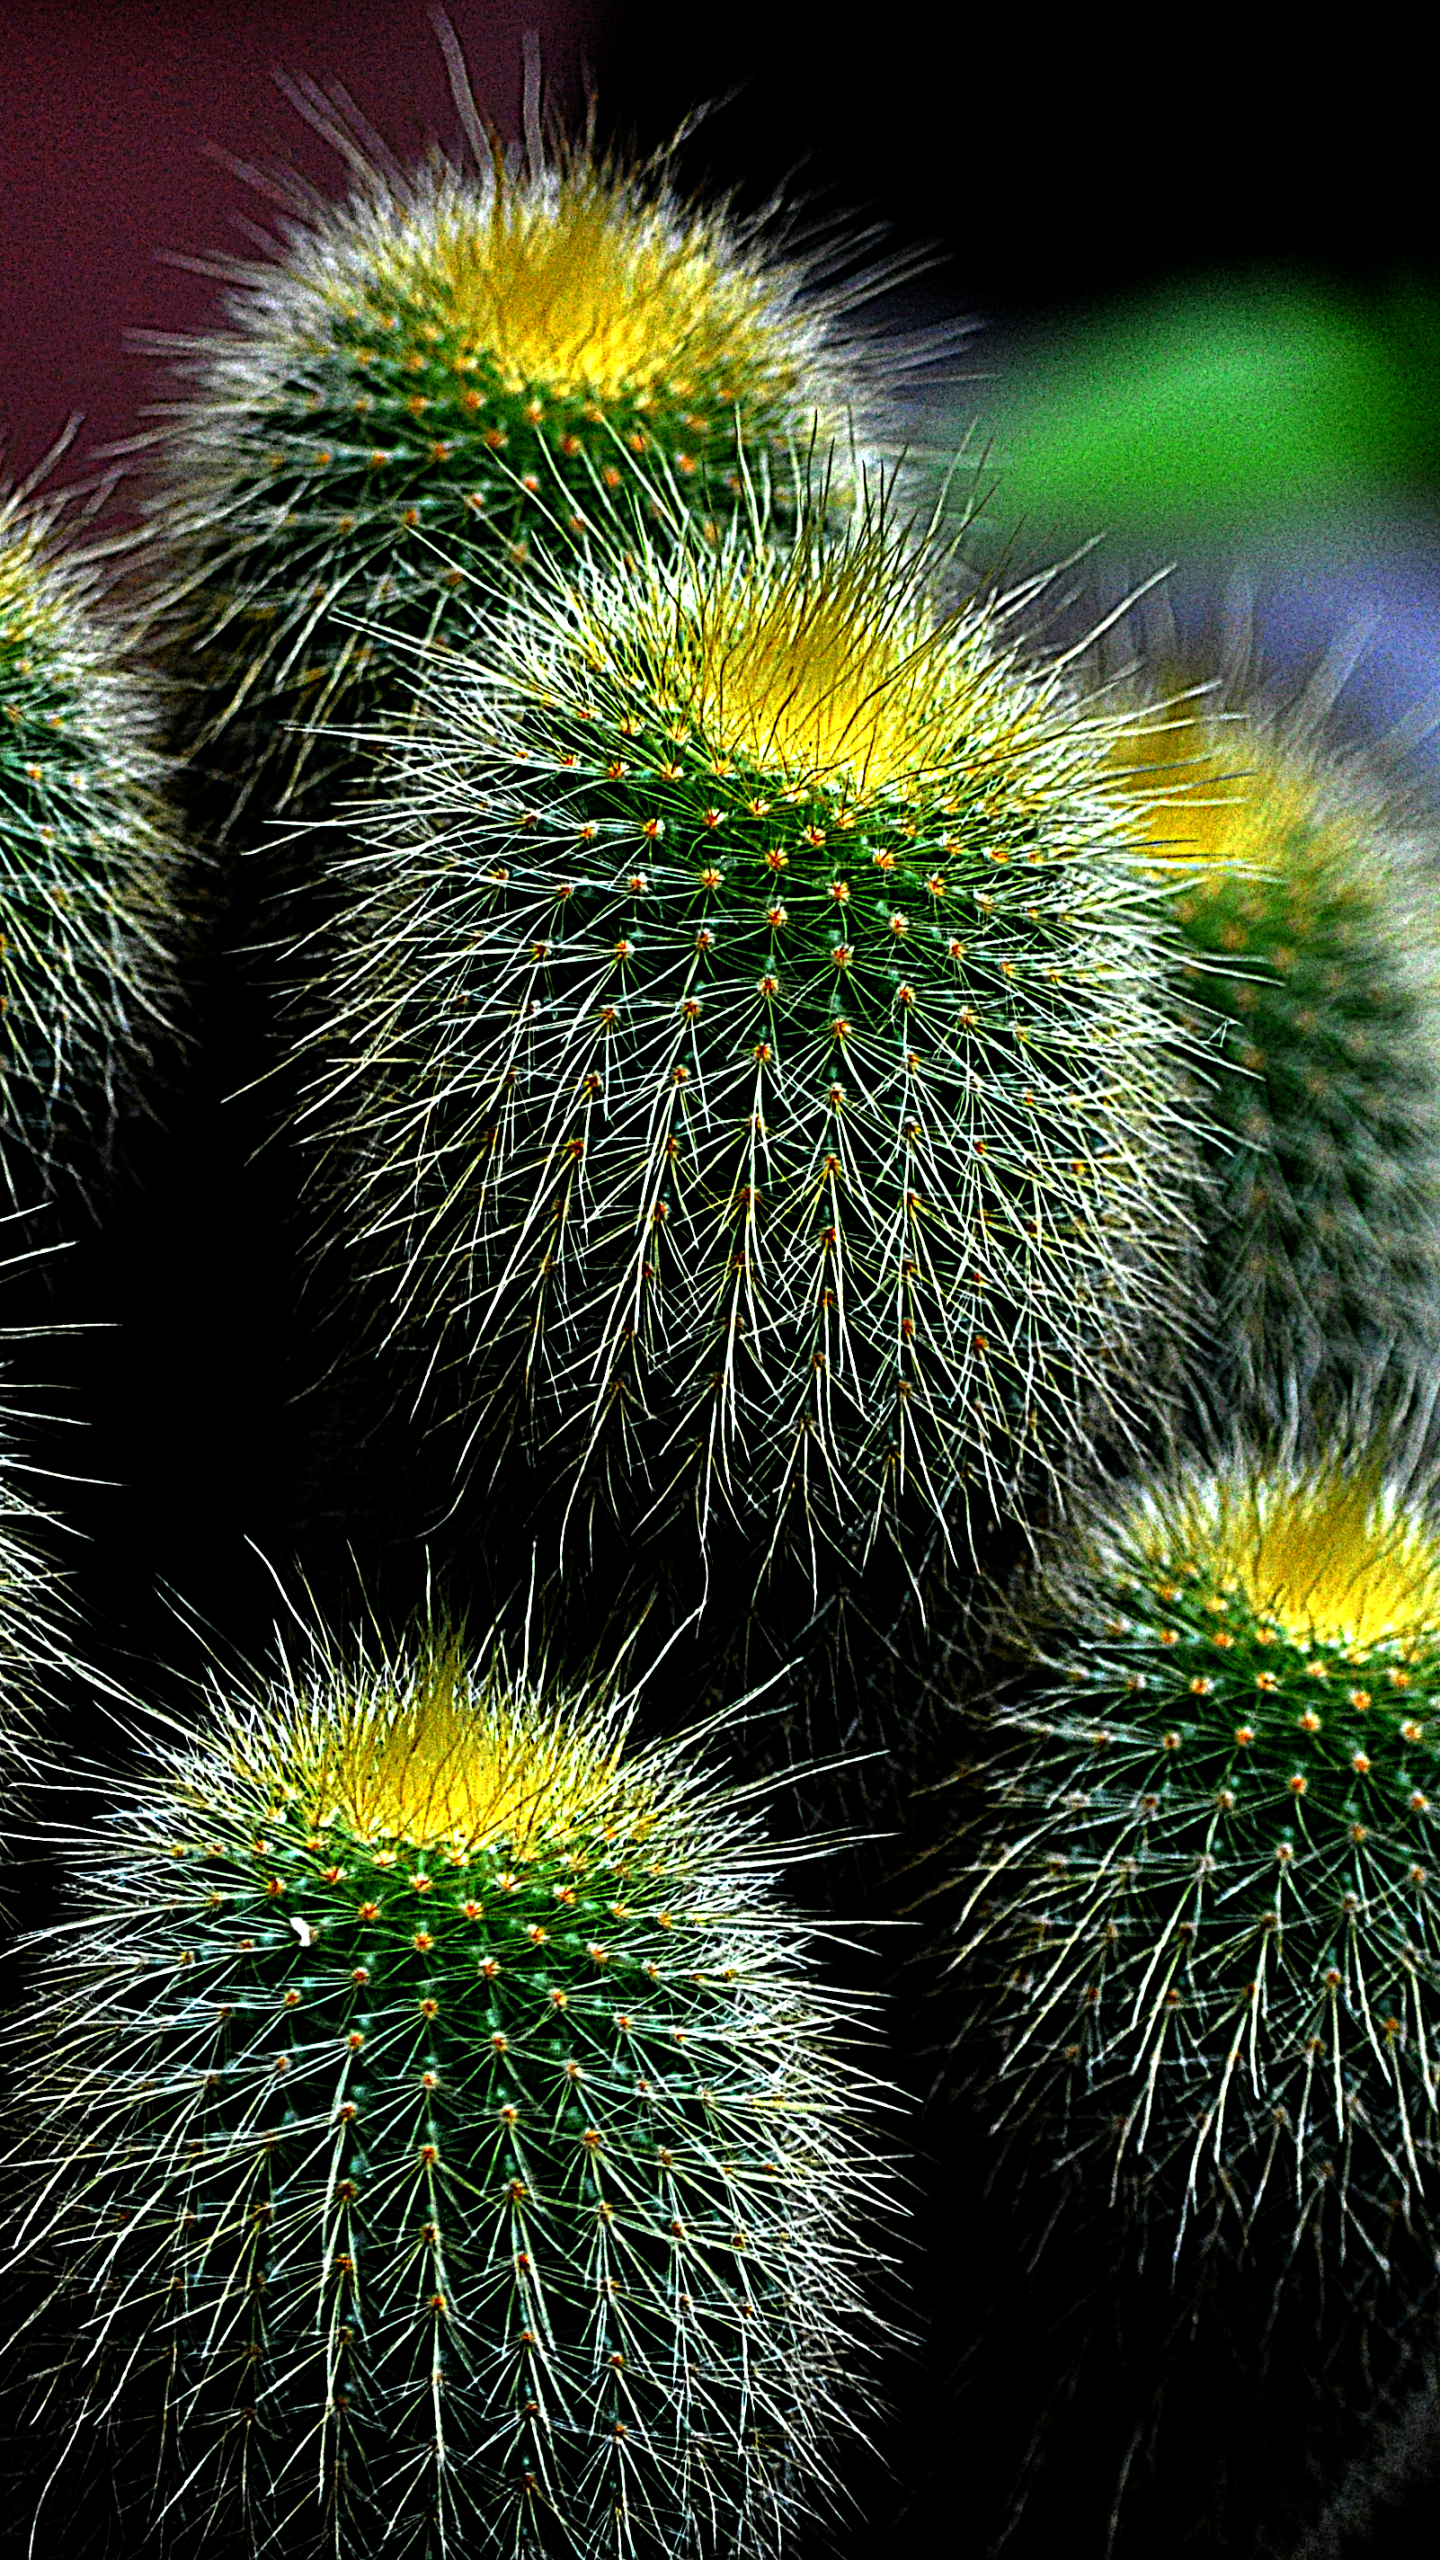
[
  {"x": 453, "y": 365},
  {"x": 449, "y": 2146},
  {"x": 743, "y": 1063},
  {"x": 87, "y": 866},
  {"x": 1307, "y": 901},
  {"x": 1204, "y": 1893}
]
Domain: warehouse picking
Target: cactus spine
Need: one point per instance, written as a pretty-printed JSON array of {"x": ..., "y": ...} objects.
[
  {"x": 449, "y": 368},
  {"x": 745, "y": 1055},
  {"x": 86, "y": 866},
  {"x": 30, "y": 1645},
  {"x": 455, "y": 2149},
  {"x": 1206, "y": 1906},
  {"x": 1307, "y": 904}
]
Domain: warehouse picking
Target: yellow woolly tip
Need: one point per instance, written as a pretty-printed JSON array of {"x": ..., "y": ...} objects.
[
  {"x": 1331, "y": 1559},
  {"x": 1219, "y": 799},
  {"x": 455, "y": 1759},
  {"x": 24, "y": 611},
  {"x": 827, "y": 669},
  {"x": 575, "y": 287}
]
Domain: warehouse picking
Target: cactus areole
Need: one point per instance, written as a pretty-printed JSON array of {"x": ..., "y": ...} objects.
[
  {"x": 457, "y": 2151},
  {"x": 745, "y": 1052},
  {"x": 1221, "y": 1840}
]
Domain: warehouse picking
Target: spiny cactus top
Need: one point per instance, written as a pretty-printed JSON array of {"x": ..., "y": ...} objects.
[
  {"x": 448, "y": 366},
  {"x": 1208, "y": 1897},
  {"x": 745, "y": 1057},
  {"x": 448, "y": 2145},
  {"x": 86, "y": 865},
  {"x": 1309, "y": 906}
]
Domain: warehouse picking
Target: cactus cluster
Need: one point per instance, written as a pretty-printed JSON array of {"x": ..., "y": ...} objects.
[
  {"x": 775, "y": 1071},
  {"x": 424, "y": 383},
  {"x": 448, "y": 2143},
  {"x": 1307, "y": 901},
  {"x": 744, "y": 1059},
  {"x": 1204, "y": 1900},
  {"x": 87, "y": 865}
]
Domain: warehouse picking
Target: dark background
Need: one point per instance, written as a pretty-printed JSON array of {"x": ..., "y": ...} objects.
[
  {"x": 1054, "y": 164},
  {"x": 1057, "y": 170}
]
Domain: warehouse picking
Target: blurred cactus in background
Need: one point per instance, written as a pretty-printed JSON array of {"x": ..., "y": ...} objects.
[
  {"x": 88, "y": 930},
  {"x": 439, "y": 2136},
  {"x": 1306, "y": 897}
]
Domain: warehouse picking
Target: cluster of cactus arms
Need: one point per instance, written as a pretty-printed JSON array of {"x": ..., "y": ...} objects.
[
  {"x": 774, "y": 1071},
  {"x": 87, "y": 867},
  {"x": 454, "y": 368},
  {"x": 1204, "y": 1898},
  {"x": 744, "y": 1054},
  {"x": 457, "y": 2148}
]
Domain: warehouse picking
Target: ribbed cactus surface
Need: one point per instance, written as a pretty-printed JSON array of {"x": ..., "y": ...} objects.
[
  {"x": 1307, "y": 901},
  {"x": 448, "y": 368},
  {"x": 87, "y": 864},
  {"x": 1203, "y": 1897},
  {"x": 744, "y": 1061},
  {"x": 449, "y": 2147}
]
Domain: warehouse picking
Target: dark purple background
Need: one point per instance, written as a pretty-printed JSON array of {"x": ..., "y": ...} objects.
[{"x": 106, "y": 107}]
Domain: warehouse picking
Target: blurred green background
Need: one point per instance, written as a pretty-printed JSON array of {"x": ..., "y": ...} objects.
[{"x": 1205, "y": 408}]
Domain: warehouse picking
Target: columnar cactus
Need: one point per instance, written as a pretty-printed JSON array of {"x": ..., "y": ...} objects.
[
  {"x": 1307, "y": 903},
  {"x": 448, "y": 2145},
  {"x": 451, "y": 367},
  {"x": 1204, "y": 1896},
  {"x": 86, "y": 865},
  {"x": 744, "y": 1059}
]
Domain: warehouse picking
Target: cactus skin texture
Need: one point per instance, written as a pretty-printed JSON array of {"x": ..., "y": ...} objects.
[
  {"x": 492, "y": 2170},
  {"x": 1206, "y": 1900},
  {"x": 87, "y": 866},
  {"x": 453, "y": 365},
  {"x": 1308, "y": 905},
  {"x": 744, "y": 1060}
]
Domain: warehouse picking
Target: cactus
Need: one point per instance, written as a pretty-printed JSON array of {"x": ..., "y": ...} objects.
[
  {"x": 452, "y": 366},
  {"x": 744, "y": 1060},
  {"x": 1307, "y": 904},
  {"x": 86, "y": 865},
  {"x": 1205, "y": 1902},
  {"x": 449, "y": 2146},
  {"x": 31, "y": 1645}
]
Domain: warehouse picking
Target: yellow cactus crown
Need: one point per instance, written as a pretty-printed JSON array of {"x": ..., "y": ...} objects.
[
  {"x": 438, "y": 1753},
  {"x": 827, "y": 665},
  {"x": 1220, "y": 795},
  {"x": 1331, "y": 1557},
  {"x": 575, "y": 282}
]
